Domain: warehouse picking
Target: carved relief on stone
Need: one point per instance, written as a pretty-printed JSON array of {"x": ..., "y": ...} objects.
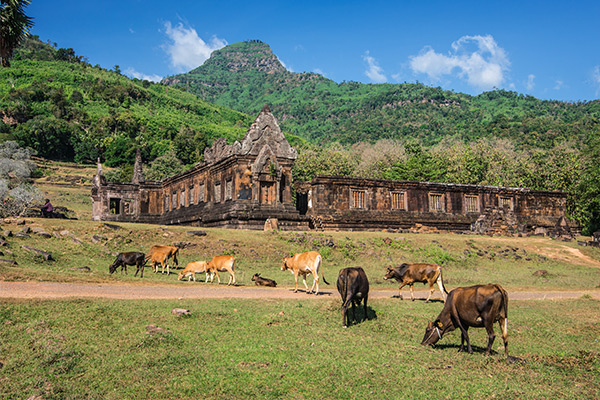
[
  {"x": 220, "y": 150},
  {"x": 266, "y": 162}
]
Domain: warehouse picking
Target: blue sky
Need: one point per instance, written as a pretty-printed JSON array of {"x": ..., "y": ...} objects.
[{"x": 548, "y": 49}]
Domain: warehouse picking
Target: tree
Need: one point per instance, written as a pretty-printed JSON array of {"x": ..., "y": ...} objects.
[{"x": 14, "y": 26}]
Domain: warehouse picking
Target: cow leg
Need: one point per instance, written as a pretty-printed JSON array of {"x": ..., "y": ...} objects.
[
  {"x": 489, "y": 327},
  {"x": 412, "y": 292},
  {"x": 400, "y": 290},
  {"x": 431, "y": 289},
  {"x": 465, "y": 337},
  {"x": 305, "y": 285},
  {"x": 365, "y": 307},
  {"x": 503, "y": 322},
  {"x": 296, "y": 280},
  {"x": 218, "y": 278},
  {"x": 315, "y": 282}
]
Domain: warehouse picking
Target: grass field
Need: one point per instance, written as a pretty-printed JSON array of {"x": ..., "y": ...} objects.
[{"x": 100, "y": 349}]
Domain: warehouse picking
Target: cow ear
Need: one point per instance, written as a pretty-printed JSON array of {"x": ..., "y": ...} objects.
[
  {"x": 439, "y": 324},
  {"x": 429, "y": 324}
]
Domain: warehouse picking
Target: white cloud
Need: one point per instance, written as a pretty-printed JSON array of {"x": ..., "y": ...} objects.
[
  {"x": 374, "y": 71},
  {"x": 319, "y": 71},
  {"x": 530, "y": 82},
  {"x": 140, "y": 75},
  {"x": 285, "y": 65},
  {"x": 187, "y": 50},
  {"x": 559, "y": 85},
  {"x": 478, "y": 59},
  {"x": 596, "y": 78}
]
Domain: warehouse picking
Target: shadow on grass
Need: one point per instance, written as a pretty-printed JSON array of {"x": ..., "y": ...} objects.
[
  {"x": 416, "y": 299},
  {"x": 359, "y": 316}
]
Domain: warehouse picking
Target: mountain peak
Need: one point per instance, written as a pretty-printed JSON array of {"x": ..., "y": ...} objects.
[{"x": 250, "y": 55}]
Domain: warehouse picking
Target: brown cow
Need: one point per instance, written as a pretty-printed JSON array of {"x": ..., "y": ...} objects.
[
  {"x": 477, "y": 306},
  {"x": 222, "y": 264},
  {"x": 161, "y": 254},
  {"x": 303, "y": 264},
  {"x": 408, "y": 274},
  {"x": 260, "y": 281},
  {"x": 193, "y": 268},
  {"x": 353, "y": 285}
]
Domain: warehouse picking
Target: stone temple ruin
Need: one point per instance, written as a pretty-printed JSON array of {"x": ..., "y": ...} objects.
[{"x": 249, "y": 185}]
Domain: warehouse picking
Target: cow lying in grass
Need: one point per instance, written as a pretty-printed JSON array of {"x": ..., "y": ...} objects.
[
  {"x": 260, "y": 281},
  {"x": 129, "y": 258},
  {"x": 193, "y": 268},
  {"x": 408, "y": 274},
  {"x": 161, "y": 255},
  {"x": 477, "y": 306}
]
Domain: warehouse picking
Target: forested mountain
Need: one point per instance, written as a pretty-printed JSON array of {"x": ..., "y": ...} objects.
[
  {"x": 56, "y": 103},
  {"x": 245, "y": 76}
]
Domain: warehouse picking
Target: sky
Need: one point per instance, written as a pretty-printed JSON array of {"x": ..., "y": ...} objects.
[{"x": 547, "y": 49}]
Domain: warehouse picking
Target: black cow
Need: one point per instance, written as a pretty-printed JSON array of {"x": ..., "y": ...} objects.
[
  {"x": 477, "y": 306},
  {"x": 353, "y": 286},
  {"x": 260, "y": 281},
  {"x": 408, "y": 274},
  {"x": 129, "y": 258}
]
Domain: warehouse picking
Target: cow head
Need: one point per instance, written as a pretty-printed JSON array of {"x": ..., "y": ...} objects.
[
  {"x": 180, "y": 276},
  {"x": 284, "y": 266},
  {"x": 433, "y": 333},
  {"x": 255, "y": 277},
  {"x": 113, "y": 267},
  {"x": 389, "y": 274}
]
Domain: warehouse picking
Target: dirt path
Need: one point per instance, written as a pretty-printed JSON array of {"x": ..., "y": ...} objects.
[{"x": 55, "y": 290}]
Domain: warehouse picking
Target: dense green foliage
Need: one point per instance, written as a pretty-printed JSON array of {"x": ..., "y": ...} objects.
[
  {"x": 245, "y": 76},
  {"x": 54, "y": 102}
]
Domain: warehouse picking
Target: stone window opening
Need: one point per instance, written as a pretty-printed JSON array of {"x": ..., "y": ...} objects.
[
  {"x": 398, "y": 200},
  {"x": 191, "y": 195},
  {"x": 357, "y": 198},
  {"x": 436, "y": 202},
  {"x": 174, "y": 201},
  {"x": 127, "y": 207},
  {"x": 201, "y": 193},
  {"x": 471, "y": 204},
  {"x": 114, "y": 205},
  {"x": 218, "y": 192},
  {"x": 228, "y": 189},
  {"x": 505, "y": 202},
  {"x": 167, "y": 203},
  {"x": 182, "y": 198}
]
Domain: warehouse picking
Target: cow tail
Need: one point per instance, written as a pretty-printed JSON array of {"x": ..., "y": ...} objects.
[
  {"x": 346, "y": 291},
  {"x": 441, "y": 281},
  {"x": 175, "y": 257},
  {"x": 504, "y": 307},
  {"x": 321, "y": 268}
]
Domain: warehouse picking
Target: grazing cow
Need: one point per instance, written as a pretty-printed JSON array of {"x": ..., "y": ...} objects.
[
  {"x": 408, "y": 274},
  {"x": 222, "y": 264},
  {"x": 260, "y": 281},
  {"x": 353, "y": 285},
  {"x": 129, "y": 258},
  {"x": 477, "y": 306},
  {"x": 303, "y": 264},
  {"x": 193, "y": 268},
  {"x": 161, "y": 254}
]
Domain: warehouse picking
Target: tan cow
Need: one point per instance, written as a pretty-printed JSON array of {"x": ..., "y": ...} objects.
[
  {"x": 303, "y": 264},
  {"x": 408, "y": 274},
  {"x": 222, "y": 264},
  {"x": 193, "y": 268},
  {"x": 161, "y": 254}
]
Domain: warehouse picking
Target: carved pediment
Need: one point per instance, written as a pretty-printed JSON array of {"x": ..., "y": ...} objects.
[{"x": 266, "y": 131}]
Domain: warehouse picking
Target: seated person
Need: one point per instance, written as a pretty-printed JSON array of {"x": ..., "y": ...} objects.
[{"x": 47, "y": 209}]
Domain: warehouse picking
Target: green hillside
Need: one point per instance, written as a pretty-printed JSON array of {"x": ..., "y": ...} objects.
[
  {"x": 245, "y": 76},
  {"x": 66, "y": 109}
]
